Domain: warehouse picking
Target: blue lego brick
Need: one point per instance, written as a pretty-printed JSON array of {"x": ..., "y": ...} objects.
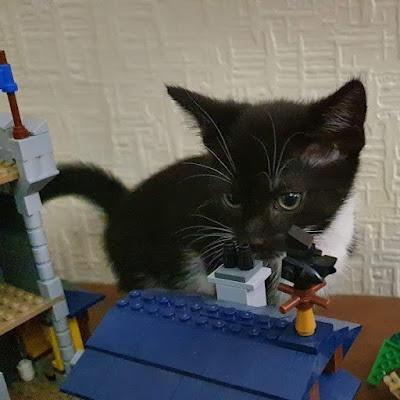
[
  {"x": 217, "y": 352},
  {"x": 186, "y": 337},
  {"x": 338, "y": 386},
  {"x": 7, "y": 83},
  {"x": 79, "y": 302},
  {"x": 99, "y": 376},
  {"x": 348, "y": 331},
  {"x": 309, "y": 344}
]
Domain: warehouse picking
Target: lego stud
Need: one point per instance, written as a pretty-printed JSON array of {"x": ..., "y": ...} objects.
[
  {"x": 245, "y": 257},
  {"x": 229, "y": 256}
]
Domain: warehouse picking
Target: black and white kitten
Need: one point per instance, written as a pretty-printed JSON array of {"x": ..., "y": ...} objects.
[{"x": 267, "y": 166}]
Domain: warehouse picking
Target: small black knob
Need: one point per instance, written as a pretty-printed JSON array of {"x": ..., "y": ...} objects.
[
  {"x": 245, "y": 257},
  {"x": 230, "y": 257}
]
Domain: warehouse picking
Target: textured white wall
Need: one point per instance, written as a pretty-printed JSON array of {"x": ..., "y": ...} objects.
[{"x": 95, "y": 70}]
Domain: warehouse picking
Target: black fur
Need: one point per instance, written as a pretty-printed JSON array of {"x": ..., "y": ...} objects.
[{"x": 151, "y": 228}]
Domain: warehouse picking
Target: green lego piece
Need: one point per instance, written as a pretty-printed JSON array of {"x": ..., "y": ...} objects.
[{"x": 387, "y": 361}]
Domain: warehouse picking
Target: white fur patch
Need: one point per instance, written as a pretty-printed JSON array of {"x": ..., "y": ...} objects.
[
  {"x": 196, "y": 281},
  {"x": 336, "y": 239}
]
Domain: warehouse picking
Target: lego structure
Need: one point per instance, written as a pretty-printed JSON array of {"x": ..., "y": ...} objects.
[
  {"x": 387, "y": 361},
  {"x": 168, "y": 345},
  {"x": 240, "y": 279},
  {"x": 27, "y": 165}
]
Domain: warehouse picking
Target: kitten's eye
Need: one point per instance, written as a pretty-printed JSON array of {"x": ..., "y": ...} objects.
[
  {"x": 289, "y": 201},
  {"x": 230, "y": 201}
]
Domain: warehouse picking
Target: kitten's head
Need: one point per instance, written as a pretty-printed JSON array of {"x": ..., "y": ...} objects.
[{"x": 280, "y": 162}]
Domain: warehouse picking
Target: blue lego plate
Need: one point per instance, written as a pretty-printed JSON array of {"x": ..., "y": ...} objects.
[{"x": 212, "y": 344}]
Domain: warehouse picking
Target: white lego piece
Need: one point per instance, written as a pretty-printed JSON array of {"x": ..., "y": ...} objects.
[
  {"x": 51, "y": 289},
  {"x": 78, "y": 354},
  {"x": 45, "y": 270},
  {"x": 41, "y": 254},
  {"x": 33, "y": 221},
  {"x": 3, "y": 388},
  {"x": 31, "y": 147},
  {"x": 37, "y": 237},
  {"x": 64, "y": 339},
  {"x": 255, "y": 298},
  {"x": 28, "y": 205},
  {"x": 60, "y": 325},
  {"x": 59, "y": 311},
  {"x": 251, "y": 284},
  {"x": 6, "y": 121},
  {"x": 35, "y": 126},
  {"x": 67, "y": 352},
  {"x": 251, "y": 293}
]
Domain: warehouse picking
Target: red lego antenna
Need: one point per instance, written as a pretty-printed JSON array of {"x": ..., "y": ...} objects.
[
  {"x": 303, "y": 300},
  {"x": 19, "y": 130}
]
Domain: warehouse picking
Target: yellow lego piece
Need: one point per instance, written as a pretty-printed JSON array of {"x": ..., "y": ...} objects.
[
  {"x": 393, "y": 381},
  {"x": 76, "y": 334},
  {"x": 305, "y": 322},
  {"x": 18, "y": 306},
  {"x": 51, "y": 337},
  {"x": 34, "y": 339},
  {"x": 8, "y": 172}
]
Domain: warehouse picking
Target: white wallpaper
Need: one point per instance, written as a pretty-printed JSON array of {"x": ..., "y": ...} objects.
[{"x": 95, "y": 70}]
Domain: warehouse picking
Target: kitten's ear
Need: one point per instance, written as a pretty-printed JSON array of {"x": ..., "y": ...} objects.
[
  {"x": 213, "y": 116},
  {"x": 339, "y": 124}
]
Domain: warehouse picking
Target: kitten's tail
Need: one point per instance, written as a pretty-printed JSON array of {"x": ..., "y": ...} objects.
[{"x": 87, "y": 181}]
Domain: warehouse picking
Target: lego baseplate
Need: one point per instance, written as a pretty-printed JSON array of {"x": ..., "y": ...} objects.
[
  {"x": 18, "y": 306},
  {"x": 179, "y": 347},
  {"x": 8, "y": 172}
]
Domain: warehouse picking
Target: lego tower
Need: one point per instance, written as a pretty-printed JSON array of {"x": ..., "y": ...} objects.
[{"x": 27, "y": 164}]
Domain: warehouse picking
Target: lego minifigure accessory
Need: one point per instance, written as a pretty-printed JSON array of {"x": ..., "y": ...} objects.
[{"x": 306, "y": 268}]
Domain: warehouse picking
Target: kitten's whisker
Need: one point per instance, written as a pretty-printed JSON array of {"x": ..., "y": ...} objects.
[
  {"x": 208, "y": 167},
  {"x": 265, "y": 151},
  {"x": 284, "y": 148},
  {"x": 218, "y": 254},
  {"x": 212, "y": 248},
  {"x": 284, "y": 166},
  {"x": 211, "y": 220},
  {"x": 222, "y": 231},
  {"x": 205, "y": 204},
  {"x": 271, "y": 187},
  {"x": 224, "y": 146},
  {"x": 204, "y": 226},
  {"x": 205, "y": 236},
  {"x": 216, "y": 241},
  {"x": 275, "y": 143},
  {"x": 206, "y": 175},
  {"x": 220, "y": 161},
  {"x": 226, "y": 152}
]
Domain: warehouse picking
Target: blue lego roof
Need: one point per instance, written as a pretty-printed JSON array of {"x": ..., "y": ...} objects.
[
  {"x": 80, "y": 301},
  {"x": 180, "y": 344}
]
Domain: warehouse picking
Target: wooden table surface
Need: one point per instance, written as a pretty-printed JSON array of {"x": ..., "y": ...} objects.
[{"x": 379, "y": 316}]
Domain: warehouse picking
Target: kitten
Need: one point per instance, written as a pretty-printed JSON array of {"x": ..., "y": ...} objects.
[{"x": 267, "y": 166}]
